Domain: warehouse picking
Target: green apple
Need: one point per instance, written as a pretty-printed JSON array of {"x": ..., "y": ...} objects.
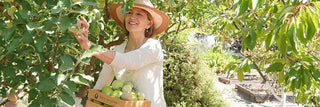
[
  {"x": 127, "y": 96},
  {"x": 134, "y": 96},
  {"x": 117, "y": 84},
  {"x": 140, "y": 96},
  {"x": 126, "y": 88},
  {"x": 128, "y": 83},
  {"x": 116, "y": 94},
  {"x": 107, "y": 90}
]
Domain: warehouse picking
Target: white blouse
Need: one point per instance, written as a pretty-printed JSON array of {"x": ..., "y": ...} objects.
[{"x": 143, "y": 67}]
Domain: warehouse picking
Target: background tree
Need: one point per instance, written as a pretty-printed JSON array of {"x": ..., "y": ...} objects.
[{"x": 277, "y": 37}]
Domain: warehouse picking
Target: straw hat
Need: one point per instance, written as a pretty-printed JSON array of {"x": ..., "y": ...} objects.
[{"x": 160, "y": 19}]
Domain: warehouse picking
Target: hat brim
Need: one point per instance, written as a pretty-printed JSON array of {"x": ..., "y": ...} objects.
[{"x": 160, "y": 19}]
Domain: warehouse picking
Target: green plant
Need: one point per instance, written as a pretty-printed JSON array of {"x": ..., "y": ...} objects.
[
  {"x": 279, "y": 38},
  {"x": 187, "y": 78}
]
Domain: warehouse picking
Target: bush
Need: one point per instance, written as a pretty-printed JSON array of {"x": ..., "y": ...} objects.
[{"x": 188, "y": 81}]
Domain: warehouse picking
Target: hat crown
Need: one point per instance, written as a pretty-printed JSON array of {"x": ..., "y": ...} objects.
[{"x": 144, "y": 2}]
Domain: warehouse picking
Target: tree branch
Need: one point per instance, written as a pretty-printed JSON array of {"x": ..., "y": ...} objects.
[
  {"x": 177, "y": 31},
  {"x": 256, "y": 66},
  {"x": 235, "y": 25},
  {"x": 41, "y": 3},
  {"x": 283, "y": 2}
]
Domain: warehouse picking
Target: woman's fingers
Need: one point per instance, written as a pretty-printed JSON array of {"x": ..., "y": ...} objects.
[
  {"x": 85, "y": 23},
  {"x": 83, "y": 26}
]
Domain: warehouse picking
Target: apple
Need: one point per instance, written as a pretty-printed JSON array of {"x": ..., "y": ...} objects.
[
  {"x": 127, "y": 96},
  {"x": 116, "y": 94},
  {"x": 107, "y": 90},
  {"x": 126, "y": 88},
  {"x": 134, "y": 97},
  {"x": 140, "y": 96},
  {"x": 128, "y": 83},
  {"x": 117, "y": 84}
]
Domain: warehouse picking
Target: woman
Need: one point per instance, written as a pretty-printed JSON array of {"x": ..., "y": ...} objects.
[{"x": 138, "y": 59}]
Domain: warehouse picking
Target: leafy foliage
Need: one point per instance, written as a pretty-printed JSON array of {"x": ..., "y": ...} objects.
[
  {"x": 40, "y": 57},
  {"x": 187, "y": 78},
  {"x": 37, "y": 53},
  {"x": 278, "y": 37}
]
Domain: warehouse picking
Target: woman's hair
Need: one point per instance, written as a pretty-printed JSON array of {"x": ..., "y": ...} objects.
[{"x": 149, "y": 33}]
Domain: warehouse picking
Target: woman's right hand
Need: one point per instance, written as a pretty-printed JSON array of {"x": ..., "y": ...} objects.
[{"x": 83, "y": 40}]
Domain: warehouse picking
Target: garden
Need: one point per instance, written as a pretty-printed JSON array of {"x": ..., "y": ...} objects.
[{"x": 268, "y": 50}]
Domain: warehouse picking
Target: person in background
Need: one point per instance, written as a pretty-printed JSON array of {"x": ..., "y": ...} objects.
[{"x": 139, "y": 58}]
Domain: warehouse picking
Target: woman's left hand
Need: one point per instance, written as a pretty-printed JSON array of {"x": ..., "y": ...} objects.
[{"x": 83, "y": 40}]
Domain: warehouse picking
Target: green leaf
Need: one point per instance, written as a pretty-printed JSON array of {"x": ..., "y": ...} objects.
[
  {"x": 87, "y": 77},
  {"x": 80, "y": 80},
  {"x": 39, "y": 42},
  {"x": 250, "y": 40},
  {"x": 60, "y": 78},
  {"x": 67, "y": 63},
  {"x": 8, "y": 34},
  {"x": 33, "y": 26},
  {"x": 69, "y": 87},
  {"x": 94, "y": 49},
  {"x": 281, "y": 76},
  {"x": 24, "y": 13},
  {"x": 67, "y": 98},
  {"x": 2, "y": 54},
  {"x": 65, "y": 23},
  {"x": 24, "y": 4},
  {"x": 90, "y": 2},
  {"x": 245, "y": 66},
  {"x": 66, "y": 3},
  {"x": 277, "y": 66},
  {"x": 283, "y": 41},
  {"x": 10, "y": 72},
  {"x": 300, "y": 31},
  {"x": 22, "y": 64},
  {"x": 292, "y": 36},
  {"x": 33, "y": 93},
  {"x": 34, "y": 103},
  {"x": 127, "y": 6},
  {"x": 306, "y": 78},
  {"x": 269, "y": 40},
  {"x": 46, "y": 101},
  {"x": 46, "y": 84},
  {"x": 94, "y": 29},
  {"x": 275, "y": 9},
  {"x": 311, "y": 30},
  {"x": 315, "y": 73},
  {"x": 240, "y": 75},
  {"x": 243, "y": 7},
  {"x": 255, "y": 4},
  {"x": 13, "y": 45},
  {"x": 286, "y": 10},
  {"x": 27, "y": 37}
]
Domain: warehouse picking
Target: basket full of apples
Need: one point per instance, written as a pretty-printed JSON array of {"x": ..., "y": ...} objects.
[{"x": 119, "y": 94}]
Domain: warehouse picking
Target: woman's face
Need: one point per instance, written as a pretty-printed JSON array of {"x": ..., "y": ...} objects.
[{"x": 136, "y": 20}]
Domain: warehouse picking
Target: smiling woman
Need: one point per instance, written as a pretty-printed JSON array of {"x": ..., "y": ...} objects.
[{"x": 139, "y": 59}]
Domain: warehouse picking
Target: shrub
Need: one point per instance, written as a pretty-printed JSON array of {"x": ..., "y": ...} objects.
[{"x": 188, "y": 81}]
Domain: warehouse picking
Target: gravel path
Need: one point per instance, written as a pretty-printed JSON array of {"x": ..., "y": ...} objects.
[{"x": 229, "y": 93}]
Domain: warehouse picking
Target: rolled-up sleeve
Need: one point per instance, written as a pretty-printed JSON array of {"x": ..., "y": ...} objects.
[{"x": 148, "y": 53}]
